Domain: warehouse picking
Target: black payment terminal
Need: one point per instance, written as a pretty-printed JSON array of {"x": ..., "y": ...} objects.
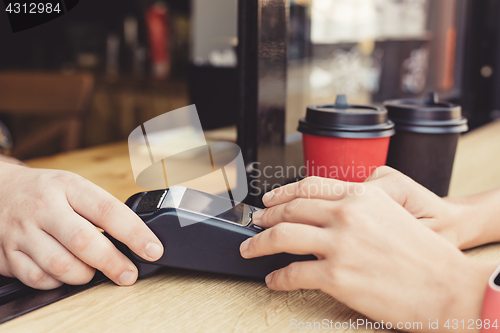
[{"x": 201, "y": 231}]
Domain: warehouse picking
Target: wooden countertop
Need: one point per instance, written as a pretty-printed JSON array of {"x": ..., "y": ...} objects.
[{"x": 182, "y": 301}]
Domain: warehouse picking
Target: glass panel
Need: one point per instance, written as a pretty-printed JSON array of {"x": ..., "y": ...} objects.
[{"x": 371, "y": 50}]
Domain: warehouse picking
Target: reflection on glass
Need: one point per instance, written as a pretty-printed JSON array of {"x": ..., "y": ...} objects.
[{"x": 371, "y": 50}]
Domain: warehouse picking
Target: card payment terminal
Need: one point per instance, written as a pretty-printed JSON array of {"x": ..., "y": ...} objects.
[{"x": 198, "y": 233}]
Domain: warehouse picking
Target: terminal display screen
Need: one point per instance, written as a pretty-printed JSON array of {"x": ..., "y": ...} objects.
[{"x": 208, "y": 205}]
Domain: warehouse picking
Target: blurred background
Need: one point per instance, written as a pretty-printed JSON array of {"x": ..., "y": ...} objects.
[{"x": 93, "y": 75}]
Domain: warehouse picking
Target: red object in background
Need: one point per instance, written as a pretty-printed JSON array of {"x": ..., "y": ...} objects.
[
  {"x": 157, "y": 19},
  {"x": 345, "y": 159}
]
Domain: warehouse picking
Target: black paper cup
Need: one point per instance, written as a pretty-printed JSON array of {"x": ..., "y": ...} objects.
[{"x": 426, "y": 139}]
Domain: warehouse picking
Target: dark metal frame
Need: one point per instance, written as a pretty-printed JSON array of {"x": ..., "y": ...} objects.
[{"x": 262, "y": 56}]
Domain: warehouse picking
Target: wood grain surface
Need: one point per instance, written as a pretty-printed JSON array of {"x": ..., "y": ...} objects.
[{"x": 183, "y": 301}]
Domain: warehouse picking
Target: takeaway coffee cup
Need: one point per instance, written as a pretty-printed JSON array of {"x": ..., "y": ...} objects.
[
  {"x": 426, "y": 140},
  {"x": 346, "y": 142}
]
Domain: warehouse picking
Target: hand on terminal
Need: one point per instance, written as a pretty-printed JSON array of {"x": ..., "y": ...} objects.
[
  {"x": 379, "y": 246},
  {"x": 48, "y": 233}
]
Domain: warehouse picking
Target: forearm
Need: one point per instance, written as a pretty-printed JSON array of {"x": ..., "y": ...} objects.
[
  {"x": 478, "y": 217},
  {"x": 464, "y": 304},
  {"x": 457, "y": 297}
]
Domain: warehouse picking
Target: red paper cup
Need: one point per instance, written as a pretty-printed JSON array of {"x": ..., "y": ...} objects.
[
  {"x": 345, "y": 142},
  {"x": 351, "y": 160}
]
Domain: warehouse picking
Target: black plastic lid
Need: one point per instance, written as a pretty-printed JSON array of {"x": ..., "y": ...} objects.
[
  {"x": 426, "y": 116},
  {"x": 346, "y": 121}
]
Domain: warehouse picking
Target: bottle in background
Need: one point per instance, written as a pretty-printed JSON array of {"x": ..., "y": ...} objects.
[{"x": 158, "y": 27}]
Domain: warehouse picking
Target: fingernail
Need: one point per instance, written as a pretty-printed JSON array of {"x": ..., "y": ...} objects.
[
  {"x": 258, "y": 214},
  {"x": 154, "y": 250},
  {"x": 127, "y": 278},
  {"x": 244, "y": 246},
  {"x": 269, "y": 278},
  {"x": 268, "y": 196}
]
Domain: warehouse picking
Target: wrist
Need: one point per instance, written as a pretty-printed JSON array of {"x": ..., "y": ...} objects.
[
  {"x": 480, "y": 216},
  {"x": 464, "y": 299},
  {"x": 470, "y": 225}
]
